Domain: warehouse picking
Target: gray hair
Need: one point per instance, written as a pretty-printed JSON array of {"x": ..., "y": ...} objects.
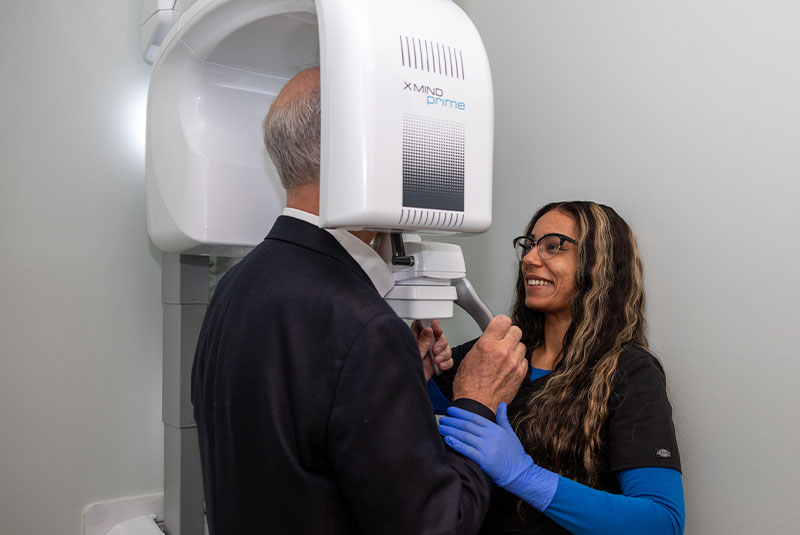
[{"x": 292, "y": 137}]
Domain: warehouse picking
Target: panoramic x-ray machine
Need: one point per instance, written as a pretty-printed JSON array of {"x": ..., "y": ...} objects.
[{"x": 407, "y": 133}]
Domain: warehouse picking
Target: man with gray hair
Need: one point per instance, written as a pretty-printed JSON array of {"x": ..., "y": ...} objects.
[{"x": 310, "y": 393}]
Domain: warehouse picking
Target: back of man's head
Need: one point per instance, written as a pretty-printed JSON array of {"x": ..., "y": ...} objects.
[{"x": 292, "y": 130}]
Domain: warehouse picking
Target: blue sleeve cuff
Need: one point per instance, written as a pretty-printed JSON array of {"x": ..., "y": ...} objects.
[{"x": 652, "y": 503}]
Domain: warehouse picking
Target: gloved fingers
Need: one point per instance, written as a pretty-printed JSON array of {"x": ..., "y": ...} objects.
[
  {"x": 465, "y": 449},
  {"x": 463, "y": 425},
  {"x": 462, "y": 414},
  {"x": 461, "y": 432},
  {"x": 502, "y": 418}
]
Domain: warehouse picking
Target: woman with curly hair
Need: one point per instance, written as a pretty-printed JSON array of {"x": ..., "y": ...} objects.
[{"x": 588, "y": 444}]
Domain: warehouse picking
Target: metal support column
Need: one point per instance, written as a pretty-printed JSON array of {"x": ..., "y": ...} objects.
[{"x": 184, "y": 294}]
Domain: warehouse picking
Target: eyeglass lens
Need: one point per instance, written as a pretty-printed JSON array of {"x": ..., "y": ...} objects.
[{"x": 548, "y": 247}]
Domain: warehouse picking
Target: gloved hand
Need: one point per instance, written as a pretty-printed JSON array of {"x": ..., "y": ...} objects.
[{"x": 499, "y": 453}]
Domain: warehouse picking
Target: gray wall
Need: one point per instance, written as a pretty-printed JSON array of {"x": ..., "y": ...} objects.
[
  {"x": 80, "y": 321},
  {"x": 685, "y": 117}
]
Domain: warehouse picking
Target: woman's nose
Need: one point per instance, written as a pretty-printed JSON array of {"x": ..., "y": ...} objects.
[{"x": 532, "y": 258}]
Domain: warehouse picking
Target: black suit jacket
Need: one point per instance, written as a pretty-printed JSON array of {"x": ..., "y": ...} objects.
[{"x": 311, "y": 403}]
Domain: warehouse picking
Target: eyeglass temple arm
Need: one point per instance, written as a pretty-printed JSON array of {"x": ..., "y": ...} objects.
[{"x": 468, "y": 299}]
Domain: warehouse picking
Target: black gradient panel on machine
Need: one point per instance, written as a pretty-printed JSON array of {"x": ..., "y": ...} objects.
[{"x": 433, "y": 163}]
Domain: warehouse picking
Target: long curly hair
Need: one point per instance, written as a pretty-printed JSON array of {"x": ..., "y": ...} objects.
[{"x": 562, "y": 423}]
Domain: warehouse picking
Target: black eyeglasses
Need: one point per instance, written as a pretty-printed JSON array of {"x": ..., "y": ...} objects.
[{"x": 548, "y": 245}]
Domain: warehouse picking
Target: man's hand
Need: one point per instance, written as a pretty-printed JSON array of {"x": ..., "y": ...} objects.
[
  {"x": 495, "y": 366},
  {"x": 433, "y": 335}
]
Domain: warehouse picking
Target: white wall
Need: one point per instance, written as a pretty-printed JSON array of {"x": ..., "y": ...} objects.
[
  {"x": 80, "y": 322},
  {"x": 685, "y": 117}
]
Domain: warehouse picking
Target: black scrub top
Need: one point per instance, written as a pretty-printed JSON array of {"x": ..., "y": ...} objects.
[{"x": 638, "y": 433}]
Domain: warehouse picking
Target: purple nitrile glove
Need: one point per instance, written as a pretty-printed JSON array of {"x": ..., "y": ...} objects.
[{"x": 499, "y": 453}]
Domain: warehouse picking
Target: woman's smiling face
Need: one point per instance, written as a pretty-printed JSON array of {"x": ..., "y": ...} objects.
[{"x": 550, "y": 284}]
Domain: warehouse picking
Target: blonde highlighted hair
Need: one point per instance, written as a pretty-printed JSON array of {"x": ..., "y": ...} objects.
[{"x": 562, "y": 424}]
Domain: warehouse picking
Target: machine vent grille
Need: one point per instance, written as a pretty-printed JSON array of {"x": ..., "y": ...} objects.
[
  {"x": 433, "y": 219},
  {"x": 430, "y": 56}
]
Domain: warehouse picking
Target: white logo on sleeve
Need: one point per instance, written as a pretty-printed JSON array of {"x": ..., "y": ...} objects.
[{"x": 664, "y": 453}]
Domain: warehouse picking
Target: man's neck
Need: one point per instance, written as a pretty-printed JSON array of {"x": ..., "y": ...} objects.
[
  {"x": 364, "y": 235},
  {"x": 306, "y": 198}
]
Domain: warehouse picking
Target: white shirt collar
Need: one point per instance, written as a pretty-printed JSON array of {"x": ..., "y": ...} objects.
[
  {"x": 300, "y": 214},
  {"x": 366, "y": 257}
]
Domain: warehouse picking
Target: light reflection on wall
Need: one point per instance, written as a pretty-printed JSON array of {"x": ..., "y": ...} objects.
[{"x": 136, "y": 122}]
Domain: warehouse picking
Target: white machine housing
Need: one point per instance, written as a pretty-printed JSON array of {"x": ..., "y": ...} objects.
[
  {"x": 158, "y": 18},
  {"x": 407, "y": 117}
]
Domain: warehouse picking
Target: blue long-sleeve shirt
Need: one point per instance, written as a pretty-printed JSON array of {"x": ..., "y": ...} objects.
[{"x": 651, "y": 501}]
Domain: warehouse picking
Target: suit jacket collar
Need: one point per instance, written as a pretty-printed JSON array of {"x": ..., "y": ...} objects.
[{"x": 304, "y": 234}]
